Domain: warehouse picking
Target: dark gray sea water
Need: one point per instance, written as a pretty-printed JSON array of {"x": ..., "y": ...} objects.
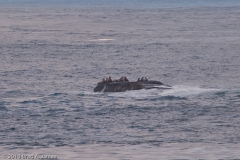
[{"x": 52, "y": 57}]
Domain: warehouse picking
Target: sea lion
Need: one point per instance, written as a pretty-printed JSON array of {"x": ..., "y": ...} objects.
[
  {"x": 121, "y": 79},
  {"x": 125, "y": 78},
  {"x": 103, "y": 80},
  {"x": 107, "y": 80}
]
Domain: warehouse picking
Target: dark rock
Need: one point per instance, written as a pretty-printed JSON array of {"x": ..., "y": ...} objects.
[{"x": 126, "y": 85}]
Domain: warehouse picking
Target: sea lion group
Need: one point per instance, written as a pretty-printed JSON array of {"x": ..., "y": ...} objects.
[
  {"x": 108, "y": 79},
  {"x": 142, "y": 79},
  {"x": 122, "y": 79}
]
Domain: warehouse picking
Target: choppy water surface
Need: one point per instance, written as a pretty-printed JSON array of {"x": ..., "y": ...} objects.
[
  {"x": 119, "y": 3},
  {"x": 51, "y": 59}
]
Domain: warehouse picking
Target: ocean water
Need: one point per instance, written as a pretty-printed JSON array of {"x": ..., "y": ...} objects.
[
  {"x": 120, "y": 3},
  {"x": 51, "y": 58}
]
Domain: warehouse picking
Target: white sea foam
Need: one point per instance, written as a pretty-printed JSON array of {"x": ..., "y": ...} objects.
[
  {"x": 177, "y": 91},
  {"x": 101, "y": 40},
  {"x": 135, "y": 94},
  {"x": 183, "y": 91}
]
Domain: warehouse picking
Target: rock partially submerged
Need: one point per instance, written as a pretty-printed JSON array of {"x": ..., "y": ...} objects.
[{"x": 122, "y": 86}]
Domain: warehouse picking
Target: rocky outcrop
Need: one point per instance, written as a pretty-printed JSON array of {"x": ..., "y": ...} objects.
[{"x": 126, "y": 85}]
